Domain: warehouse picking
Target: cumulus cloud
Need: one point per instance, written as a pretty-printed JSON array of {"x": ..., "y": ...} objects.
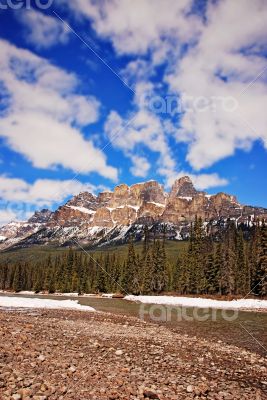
[
  {"x": 43, "y": 116},
  {"x": 205, "y": 55},
  {"x": 42, "y": 30},
  {"x": 42, "y": 192},
  {"x": 225, "y": 63},
  {"x": 7, "y": 216},
  {"x": 135, "y": 27},
  {"x": 140, "y": 167},
  {"x": 19, "y": 199},
  {"x": 145, "y": 129},
  {"x": 200, "y": 181}
]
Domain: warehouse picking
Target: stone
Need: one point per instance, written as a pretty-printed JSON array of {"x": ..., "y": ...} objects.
[
  {"x": 189, "y": 389},
  {"x": 149, "y": 394},
  {"x": 119, "y": 353}
]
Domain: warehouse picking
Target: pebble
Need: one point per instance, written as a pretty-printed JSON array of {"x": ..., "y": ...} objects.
[
  {"x": 152, "y": 363},
  {"x": 189, "y": 389},
  {"x": 150, "y": 395},
  {"x": 16, "y": 396}
]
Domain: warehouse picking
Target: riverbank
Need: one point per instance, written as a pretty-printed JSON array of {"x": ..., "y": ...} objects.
[
  {"x": 248, "y": 304},
  {"x": 64, "y": 354}
]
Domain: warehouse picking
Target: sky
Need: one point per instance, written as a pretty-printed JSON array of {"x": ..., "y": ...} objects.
[{"x": 98, "y": 93}]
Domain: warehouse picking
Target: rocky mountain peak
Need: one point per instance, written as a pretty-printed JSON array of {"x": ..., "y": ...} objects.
[
  {"x": 84, "y": 199},
  {"x": 40, "y": 217},
  {"x": 183, "y": 187},
  {"x": 150, "y": 191},
  {"x": 114, "y": 215}
]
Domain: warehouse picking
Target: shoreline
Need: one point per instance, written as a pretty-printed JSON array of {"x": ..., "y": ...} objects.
[{"x": 248, "y": 304}]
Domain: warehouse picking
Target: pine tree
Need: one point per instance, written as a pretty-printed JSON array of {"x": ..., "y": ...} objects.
[
  {"x": 212, "y": 274},
  {"x": 217, "y": 273},
  {"x": 196, "y": 256},
  {"x": 18, "y": 280},
  {"x": 147, "y": 275},
  {"x": 242, "y": 272},
  {"x": 159, "y": 274},
  {"x": 262, "y": 281},
  {"x": 228, "y": 268},
  {"x": 254, "y": 249},
  {"x": 132, "y": 276},
  {"x": 101, "y": 276}
]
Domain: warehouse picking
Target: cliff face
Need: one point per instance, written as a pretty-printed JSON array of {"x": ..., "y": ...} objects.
[{"x": 111, "y": 216}]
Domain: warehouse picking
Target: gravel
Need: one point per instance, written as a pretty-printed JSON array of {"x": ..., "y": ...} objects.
[{"x": 67, "y": 354}]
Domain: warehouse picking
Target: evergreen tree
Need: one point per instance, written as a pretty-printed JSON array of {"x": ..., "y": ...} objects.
[
  {"x": 254, "y": 250},
  {"x": 18, "y": 279},
  {"x": 159, "y": 274},
  {"x": 242, "y": 273},
  {"x": 262, "y": 281},
  {"x": 147, "y": 275},
  {"x": 132, "y": 278},
  {"x": 228, "y": 268}
]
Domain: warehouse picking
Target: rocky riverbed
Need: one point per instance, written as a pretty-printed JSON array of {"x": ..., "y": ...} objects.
[{"x": 62, "y": 354}]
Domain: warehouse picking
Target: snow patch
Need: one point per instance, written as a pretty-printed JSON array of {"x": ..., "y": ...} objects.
[
  {"x": 188, "y": 198},
  {"x": 200, "y": 302},
  {"x": 20, "y": 302},
  {"x": 157, "y": 204},
  {"x": 82, "y": 209}
]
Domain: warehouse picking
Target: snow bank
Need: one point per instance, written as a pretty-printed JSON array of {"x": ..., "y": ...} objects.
[
  {"x": 200, "y": 302},
  {"x": 20, "y": 302}
]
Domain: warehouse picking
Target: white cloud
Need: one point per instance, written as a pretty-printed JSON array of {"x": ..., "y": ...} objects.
[
  {"x": 200, "y": 181},
  {"x": 225, "y": 60},
  {"x": 140, "y": 167},
  {"x": 216, "y": 54},
  {"x": 134, "y": 27},
  {"x": 145, "y": 129},
  {"x": 42, "y": 192},
  {"x": 42, "y": 30},
  {"x": 7, "y": 216},
  {"x": 44, "y": 115}
]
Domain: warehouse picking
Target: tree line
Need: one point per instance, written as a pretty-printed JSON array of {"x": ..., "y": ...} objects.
[{"x": 232, "y": 263}]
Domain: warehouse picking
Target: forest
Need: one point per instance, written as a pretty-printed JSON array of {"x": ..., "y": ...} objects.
[{"x": 232, "y": 263}]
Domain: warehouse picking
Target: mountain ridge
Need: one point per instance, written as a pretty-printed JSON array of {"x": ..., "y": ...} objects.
[{"x": 111, "y": 217}]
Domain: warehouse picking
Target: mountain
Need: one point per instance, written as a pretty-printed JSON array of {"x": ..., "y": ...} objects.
[{"x": 111, "y": 217}]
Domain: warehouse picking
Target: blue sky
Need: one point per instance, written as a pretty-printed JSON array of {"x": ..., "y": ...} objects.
[{"x": 94, "y": 94}]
